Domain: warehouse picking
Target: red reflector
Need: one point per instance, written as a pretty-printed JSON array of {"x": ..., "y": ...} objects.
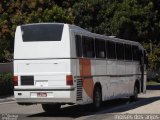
[
  {"x": 69, "y": 80},
  {"x": 15, "y": 80}
]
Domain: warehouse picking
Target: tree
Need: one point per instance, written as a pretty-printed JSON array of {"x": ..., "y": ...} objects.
[
  {"x": 128, "y": 19},
  {"x": 17, "y": 12},
  {"x": 153, "y": 56}
]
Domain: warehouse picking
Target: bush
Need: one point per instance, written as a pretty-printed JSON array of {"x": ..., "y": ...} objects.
[
  {"x": 6, "y": 84},
  {"x": 157, "y": 79}
]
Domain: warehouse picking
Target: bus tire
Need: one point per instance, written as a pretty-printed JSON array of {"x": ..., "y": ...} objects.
[
  {"x": 97, "y": 98},
  {"x": 134, "y": 97},
  {"x": 51, "y": 108}
]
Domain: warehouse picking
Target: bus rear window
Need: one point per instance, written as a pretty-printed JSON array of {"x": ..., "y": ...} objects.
[{"x": 42, "y": 32}]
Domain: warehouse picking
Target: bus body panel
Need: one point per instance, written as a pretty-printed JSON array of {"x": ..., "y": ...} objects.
[
  {"x": 46, "y": 63},
  {"x": 42, "y": 49}
]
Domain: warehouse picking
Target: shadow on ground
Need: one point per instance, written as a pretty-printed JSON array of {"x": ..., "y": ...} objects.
[{"x": 112, "y": 106}]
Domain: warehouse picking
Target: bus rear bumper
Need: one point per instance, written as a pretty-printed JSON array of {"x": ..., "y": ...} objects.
[
  {"x": 62, "y": 96},
  {"x": 44, "y": 100}
]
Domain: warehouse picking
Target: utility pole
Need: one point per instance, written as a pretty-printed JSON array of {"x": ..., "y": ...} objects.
[{"x": 151, "y": 49}]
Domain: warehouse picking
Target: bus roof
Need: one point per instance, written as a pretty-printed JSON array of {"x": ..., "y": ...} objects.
[
  {"x": 77, "y": 28},
  {"x": 110, "y": 38}
]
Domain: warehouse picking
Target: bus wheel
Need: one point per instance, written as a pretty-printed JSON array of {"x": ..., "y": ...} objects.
[
  {"x": 51, "y": 108},
  {"x": 135, "y": 95},
  {"x": 97, "y": 99}
]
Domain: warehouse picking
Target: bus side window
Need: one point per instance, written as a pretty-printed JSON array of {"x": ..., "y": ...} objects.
[
  {"x": 78, "y": 45},
  {"x": 100, "y": 48},
  {"x": 120, "y": 51},
  {"x": 135, "y": 52},
  {"x": 128, "y": 52},
  {"x": 88, "y": 47},
  {"x": 111, "y": 50}
]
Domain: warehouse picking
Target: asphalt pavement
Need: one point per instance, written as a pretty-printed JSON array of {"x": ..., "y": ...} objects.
[{"x": 148, "y": 103}]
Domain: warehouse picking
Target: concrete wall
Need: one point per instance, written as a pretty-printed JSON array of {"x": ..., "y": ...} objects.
[{"x": 6, "y": 67}]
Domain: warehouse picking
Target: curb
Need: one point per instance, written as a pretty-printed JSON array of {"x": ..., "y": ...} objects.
[{"x": 7, "y": 99}]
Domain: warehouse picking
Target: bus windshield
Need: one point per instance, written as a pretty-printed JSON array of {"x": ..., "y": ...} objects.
[{"x": 42, "y": 32}]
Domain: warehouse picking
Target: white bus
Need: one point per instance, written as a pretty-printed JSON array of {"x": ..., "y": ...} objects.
[{"x": 57, "y": 64}]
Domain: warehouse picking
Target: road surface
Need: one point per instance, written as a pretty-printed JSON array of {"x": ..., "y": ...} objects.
[{"x": 147, "y": 103}]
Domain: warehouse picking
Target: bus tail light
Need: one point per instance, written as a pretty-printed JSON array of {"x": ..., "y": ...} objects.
[
  {"x": 15, "y": 80},
  {"x": 69, "y": 80}
]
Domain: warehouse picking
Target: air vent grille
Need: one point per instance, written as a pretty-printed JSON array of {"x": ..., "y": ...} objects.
[{"x": 79, "y": 89}]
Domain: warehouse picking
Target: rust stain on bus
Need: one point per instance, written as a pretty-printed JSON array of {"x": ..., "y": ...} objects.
[{"x": 85, "y": 70}]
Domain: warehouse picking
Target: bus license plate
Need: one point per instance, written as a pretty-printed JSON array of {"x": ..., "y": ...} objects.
[{"x": 41, "y": 94}]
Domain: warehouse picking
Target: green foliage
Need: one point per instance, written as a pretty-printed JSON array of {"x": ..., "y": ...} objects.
[
  {"x": 6, "y": 84},
  {"x": 17, "y": 12},
  {"x": 128, "y": 19},
  {"x": 93, "y": 15},
  {"x": 153, "y": 56},
  {"x": 153, "y": 82}
]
